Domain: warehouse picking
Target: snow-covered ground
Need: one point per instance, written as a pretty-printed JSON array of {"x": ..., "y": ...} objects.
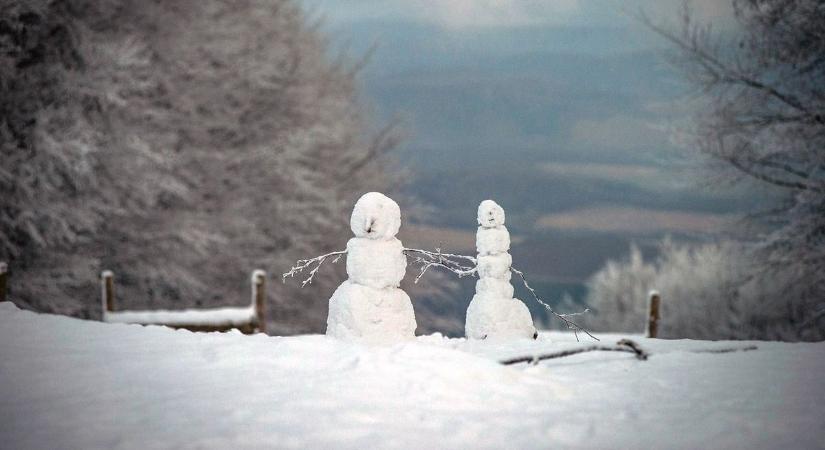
[{"x": 72, "y": 384}]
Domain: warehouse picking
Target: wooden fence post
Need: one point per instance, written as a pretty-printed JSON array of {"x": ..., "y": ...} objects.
[
  {"x": 654, "y": 299},
  {"x": 107, "y": 291},
  {"x": 259, "y": 298},
  {"x": 4, "y": 275}
]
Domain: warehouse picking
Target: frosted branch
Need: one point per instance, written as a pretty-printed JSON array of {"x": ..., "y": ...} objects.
[
  {"x": 564, "y": 317},
  {"x": 447, "y": 261},
  {"x": 317, "y": 261}
]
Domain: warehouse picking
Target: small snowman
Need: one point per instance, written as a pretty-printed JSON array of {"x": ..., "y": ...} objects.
[
  {"x": 494, "y": 312},
  {"x": 369, "y": 306}
]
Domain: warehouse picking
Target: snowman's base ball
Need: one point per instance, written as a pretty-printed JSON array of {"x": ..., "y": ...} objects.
[
  {"x": 363, "y": 313},
  {"x": 497, "y": 317}
]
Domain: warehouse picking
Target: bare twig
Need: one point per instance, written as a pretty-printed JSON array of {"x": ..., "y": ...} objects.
[
  {"x": 303, "y": 264},
  {"x": 570, "y": 324},
  {"x": 580, "y": 313},
  {"x": 445, "y": 261}
]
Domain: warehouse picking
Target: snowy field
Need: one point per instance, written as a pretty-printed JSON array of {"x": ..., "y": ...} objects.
[{"x": 72, "y": 384}]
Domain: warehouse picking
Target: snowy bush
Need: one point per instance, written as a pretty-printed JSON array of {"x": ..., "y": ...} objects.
[
  {"x": 617, "y": 293},
  {"x": 709, "y": 291}
]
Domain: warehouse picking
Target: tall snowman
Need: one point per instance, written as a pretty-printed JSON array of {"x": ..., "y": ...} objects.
[
  {"x": 494, "y": 312},
  {"x": 369, "y": 306}
]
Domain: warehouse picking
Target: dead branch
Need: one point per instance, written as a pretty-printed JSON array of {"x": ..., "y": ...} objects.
[
  {"x": 624, "y": 345},
  {"x": 570, "y": 324},
  {"x": 302, "y": 264},
  {"x": 726, "y": 350}
]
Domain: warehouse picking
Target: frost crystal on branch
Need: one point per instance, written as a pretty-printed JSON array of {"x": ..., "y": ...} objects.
[
  {"x": 564, "y": 317},
  {"x": 446, "y": 261},
  {"x": 303, "y": 264}
]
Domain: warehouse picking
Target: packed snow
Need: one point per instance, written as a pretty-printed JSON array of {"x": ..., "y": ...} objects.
[
  {"x": 188, "y": 317},
  {"x": 369, "y": 306},
  {"x": 375, "y": 216},
  {"x": 376, "y": 263},
  {"x": 493, "y": 312},
  {"x": 75, "y": 384}
]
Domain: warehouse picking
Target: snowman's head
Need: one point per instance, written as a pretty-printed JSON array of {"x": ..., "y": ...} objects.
[
  {"x": 490, "y": 215},
  {"x": 375, "y": 216}
]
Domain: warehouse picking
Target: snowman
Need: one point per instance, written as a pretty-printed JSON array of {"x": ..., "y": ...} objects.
[
  {"x": 494, "y": 312},
  {"x": 369, "y": 306}
]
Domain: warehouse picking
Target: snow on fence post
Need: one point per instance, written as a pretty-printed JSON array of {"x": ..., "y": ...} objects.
[
  {"x": 259, "y": 297},
  {"x": 107, "y": 291},
  {"x": 4, "y": 274},
  {"x": 653, "y": 314}
]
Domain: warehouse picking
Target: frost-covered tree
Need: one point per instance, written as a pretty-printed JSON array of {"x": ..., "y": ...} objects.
[
  {"x": 617, "y": 294},
  {"x": 708, "y": 291},
  {"x": 180, "y": 144},
  {"x": 762, "y": 121}
]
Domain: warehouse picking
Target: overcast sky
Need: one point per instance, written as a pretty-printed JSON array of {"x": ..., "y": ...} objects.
[
  {"x": 562, "y": 110},
  {"x": 492, "y": 13}
]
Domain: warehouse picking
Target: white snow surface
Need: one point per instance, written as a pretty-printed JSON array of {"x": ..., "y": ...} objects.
[
  {"x": 495, "y": 266},
  {"x": 490, "y": 214},
  {"x": 185, "y": 317},
  {"x": 490, "y": 241},
  {"x": 364, "y": 313},
  {"x": 492, "y": 317},
  {"x": 375, "y": 216},
  {"x": 72, "y": 384},
  {"x": 376, "y": 263},
  {"x": 495, "y": 287}
]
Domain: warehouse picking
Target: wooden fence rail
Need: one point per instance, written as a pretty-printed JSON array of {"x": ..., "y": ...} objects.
[{"x": 249, "y": 319}]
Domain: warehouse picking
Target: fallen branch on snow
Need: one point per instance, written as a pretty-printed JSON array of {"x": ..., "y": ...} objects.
[
  {"x": 624, "y": 345},
  {"x": 726, "y": 350}
]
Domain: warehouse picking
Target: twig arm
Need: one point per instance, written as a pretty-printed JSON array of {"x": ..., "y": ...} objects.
[
  {"x": 317, "y": 261},
  {"x": 446, "y": 261},
  {"x": 564, "y": 317}
]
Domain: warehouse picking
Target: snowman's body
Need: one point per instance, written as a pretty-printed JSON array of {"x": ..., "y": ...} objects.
[
  {"x": 494, "y": 312},
  {"x": 369, "y": 306}
]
